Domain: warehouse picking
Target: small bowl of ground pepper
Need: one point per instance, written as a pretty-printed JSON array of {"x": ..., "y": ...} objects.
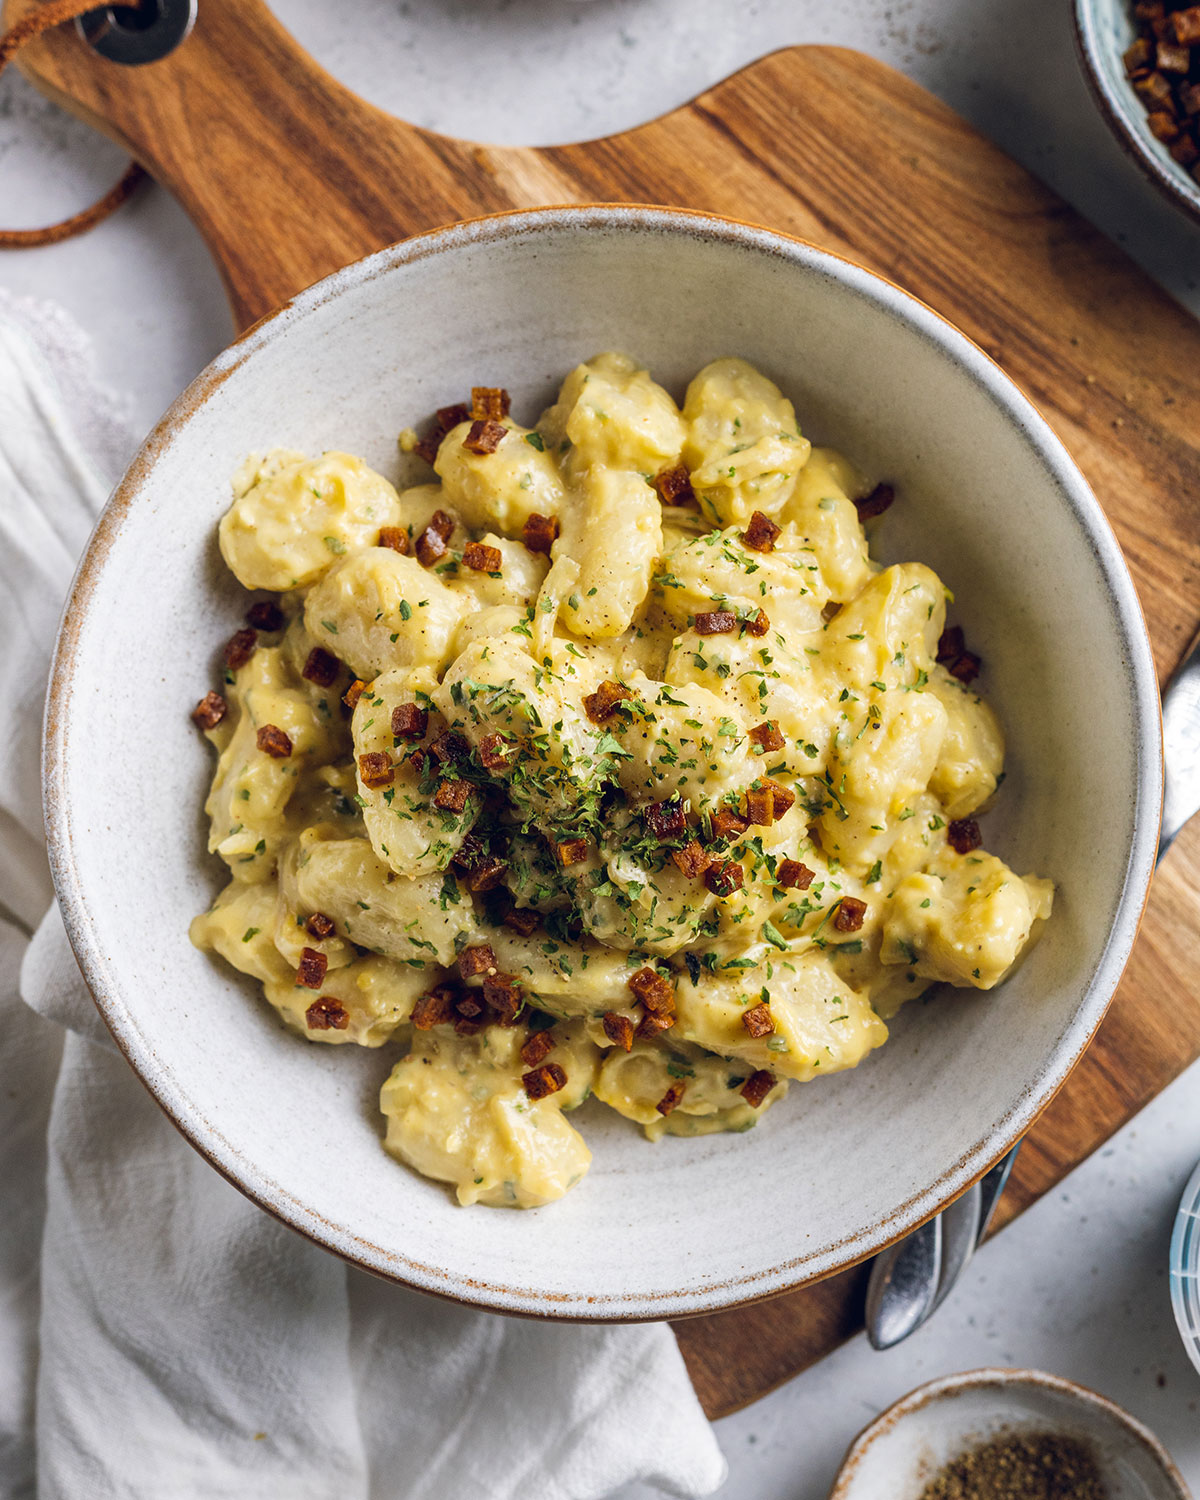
[{"x": 1006, "y": 1435}]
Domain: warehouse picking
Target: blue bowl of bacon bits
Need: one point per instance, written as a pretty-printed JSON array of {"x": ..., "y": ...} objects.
[{"x": 1142, "y": 60}]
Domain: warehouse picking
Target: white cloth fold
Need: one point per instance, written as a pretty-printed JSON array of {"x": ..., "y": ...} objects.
[{"x": 160, "y": 1337}]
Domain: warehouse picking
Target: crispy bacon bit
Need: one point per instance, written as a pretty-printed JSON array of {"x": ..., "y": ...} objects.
[
  {"x": 757, "y": 1087},
  {"x": 571, "y": 851},
  {"x": 963, "y": 835},
  {"x": 875, "y": 503},
  {"x": 442, "y": 523},
  {"x": 619, "y": 1030},
  {"x": 1172, "y": 58},
  {"x": 434, "y": 1009},
  {"x": 656, "y": 993},
  {"x": 652, "y": 1026},
  {"x": 950, "y": 644},
  {"x": 484, "y": 437},
  {"x": 540, "y": 533},
  {"x": 1186, "y": 25},
  {"x": 522, "y": 920},
  {"x": 966, "y": 668},
  {"x": 674, "y": 486},
  {"x": 1163, "y": 125},
  {"x": 468, "y": 1006},
  {"x": 760, "y": 806},
  {"x": 272, "y": 741},
  {"x": 479, "y": 959},
  {"x": 394, "y": 537},
  {"x": 724, "y": 877},
  {"x": 782, "y": 796},
  {"x": 758, "y": 1020},
  {"x": 430, "y": 547},
  {"x": 758, "y": 625},
  {"x": 445, "y": 420},
  {"x": 850, "y": 913},
  {"x": 452, "y": 796},
  {"x": 761, "y": 534},
  {"x": 465, "y": 1027},
  {"x": 1189, "y": 97},
  {"x": 670, "y": 1099},
  {"x": 665, "y": 820},
  {"x": 449, "y": 746},
  {"x": 470, "y": 854},
  {"x": 830, "y": 610},
  {"x": 600, "y": 704},
  {"x": 375, "y": 769},
  {"x": 353, "y": 693},
  {"x": 1154, "y": 91},
  {"x": 327, "y": 1014},
  {"x": 495, "y": 752},
  {"x": 321, "y": 668},
  {"x": 502, "y": 994},
  {"x": 319, "y": 925},
  {"x": 409, "y": 722},
  {"x": 311, "y": 972},
  {"x": 538, "y": 1048},
  {"x": 794, "y": 876},
  {"x": 482, "y": 559},
  {"x": 727, "y": 824},
  {"x": 266, "y": 615},
  {"x": 487, "y": 874},
  {"x": 691, "y": 860},
  {"x": 209, "y": 712},
  {"x": 1185, "y": 151},
  {"x": 767, "y": 736},
  {"x": 240, "y": 648},
  {"x": 547, "y": 1079},
  {"x": 1138, "y": 58},
  {"x": 715, "y": 622},
  {"x": 489, "y": 403}
]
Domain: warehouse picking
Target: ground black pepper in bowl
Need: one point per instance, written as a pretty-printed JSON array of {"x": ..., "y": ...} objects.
[{"x": 1020, "y": 1466}]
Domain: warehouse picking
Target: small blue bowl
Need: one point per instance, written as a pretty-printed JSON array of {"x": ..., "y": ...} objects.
[
  {"x": 1104, "y": 29},
  {"x": 1185, "y": 1268}
]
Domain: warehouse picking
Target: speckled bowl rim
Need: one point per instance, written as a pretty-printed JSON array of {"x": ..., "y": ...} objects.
[
  {"x": 997, "y": 1378},
  {"x": 1137, "y": 143},
  {"x": 756, "y": 1284}
]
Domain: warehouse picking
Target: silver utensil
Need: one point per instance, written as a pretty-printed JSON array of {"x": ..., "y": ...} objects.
[{"x": 911, "y": 1279}]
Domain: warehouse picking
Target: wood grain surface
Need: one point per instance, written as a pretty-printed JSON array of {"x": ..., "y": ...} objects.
[{"x": 288, "y": 176}]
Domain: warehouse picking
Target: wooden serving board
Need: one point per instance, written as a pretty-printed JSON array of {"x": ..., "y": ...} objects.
[{"x": 289, "y": 176}]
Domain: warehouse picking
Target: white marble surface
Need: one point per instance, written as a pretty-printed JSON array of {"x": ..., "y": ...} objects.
[{"x": 1078, "y": 1286}]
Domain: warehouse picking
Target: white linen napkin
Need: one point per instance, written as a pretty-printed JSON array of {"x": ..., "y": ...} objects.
[{"x": 182, "y": 1343}]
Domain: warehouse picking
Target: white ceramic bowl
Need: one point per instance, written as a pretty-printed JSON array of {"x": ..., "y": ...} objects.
[
  {"x": 988, "y": 497},
  {"x": 1104, "y": 29},
  {"x": 896, "y": 1456}
]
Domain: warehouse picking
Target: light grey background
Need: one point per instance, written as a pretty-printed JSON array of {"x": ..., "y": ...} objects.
[{"x": 1079, "y": 1285}]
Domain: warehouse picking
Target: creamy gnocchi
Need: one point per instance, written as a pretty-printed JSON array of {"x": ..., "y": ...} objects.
[{"x": 607, "y": 762}]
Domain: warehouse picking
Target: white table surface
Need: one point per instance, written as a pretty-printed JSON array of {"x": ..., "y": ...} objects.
[{"x": 1078, "y": 1286}]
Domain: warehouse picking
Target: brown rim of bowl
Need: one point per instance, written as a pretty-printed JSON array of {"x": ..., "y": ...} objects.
[
  {"x": 954, "y": 1180},
  {"x": 997, "y": 1376},
  {"x": 1131, "y": 141}
]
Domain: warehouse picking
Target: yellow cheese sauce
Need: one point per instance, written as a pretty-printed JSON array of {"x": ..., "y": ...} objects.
[{"x": 607, "y": 762}]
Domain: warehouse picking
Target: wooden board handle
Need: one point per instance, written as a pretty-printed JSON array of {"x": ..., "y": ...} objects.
[{"x": 287, "y": 175}]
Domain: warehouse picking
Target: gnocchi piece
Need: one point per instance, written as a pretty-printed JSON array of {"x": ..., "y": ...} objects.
[
  {"x": 366, "y": 1002},
  {"x": 293, "y": 517},
  {"x": 499, "y": 491},
  {"x": 423, "y": 920},
  {"x": 635, "y": 1083},
  {"x": 821, "y": 511},
  {"x": 379, "y": 610},
  {"x": 407, "y": 828},
  {"x": 604, "y": 558},
  {"x": 240, "y": 926},
  {"x": 717, "y": 571},
  {"x": 744, "y": 447},
  {"x": 819, "y": 1024},
  {"x": 458, "y": 1112},
  {"x": 965, "y": 920},
  {"x": 972, "y": 755},
  {"x": 611, "y": 413}
]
